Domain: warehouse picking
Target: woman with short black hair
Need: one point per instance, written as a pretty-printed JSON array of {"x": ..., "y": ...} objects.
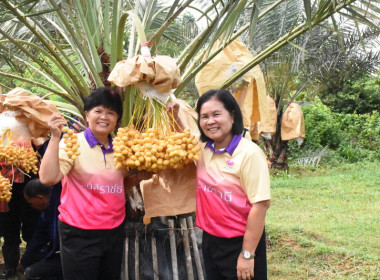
[
  {"x": 229, "y": 104},
  {"x": 92, "y": 207},
  {"x": 233, "y": 191}
]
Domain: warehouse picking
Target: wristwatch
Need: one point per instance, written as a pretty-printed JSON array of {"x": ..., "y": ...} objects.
[{"x": 247, "y": 254}]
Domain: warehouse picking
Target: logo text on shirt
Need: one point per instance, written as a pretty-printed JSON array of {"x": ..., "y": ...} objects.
[
  {"x": 104, "y": 189},
  {"x": 225, "y": 196}
]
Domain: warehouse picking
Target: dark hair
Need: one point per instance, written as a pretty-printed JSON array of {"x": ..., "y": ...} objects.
[
  {"x": 229, "y": 103},
  {"x": 104, "y": 97},
  {"x": 34, "y": 187}
]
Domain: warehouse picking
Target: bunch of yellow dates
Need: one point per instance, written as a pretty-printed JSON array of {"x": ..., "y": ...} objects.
[
  {"x": 71, "y": 142},
  {"x": 152, "y": 151},
  {"x": 19, "y": 157},
  {"x": 5, "y": 189}
]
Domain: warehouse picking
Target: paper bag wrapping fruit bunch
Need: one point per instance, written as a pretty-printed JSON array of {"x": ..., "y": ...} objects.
[
  {"x": 155, "y": 77},
  {"x": 258, "y": 109},
  {"x": 28, "y": 109},
  {"x": 249, "y": 90},
  {"x": 292, "y": 124},
  {"x": 23, "y": 117},
  {"x": 149, "y": 141}
]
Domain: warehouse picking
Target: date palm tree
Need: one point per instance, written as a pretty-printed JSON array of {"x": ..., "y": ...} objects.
[{"x": 66, "y": 48}]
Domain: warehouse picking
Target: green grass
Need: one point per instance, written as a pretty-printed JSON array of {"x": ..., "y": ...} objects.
[{"x": 324, "y": 223}]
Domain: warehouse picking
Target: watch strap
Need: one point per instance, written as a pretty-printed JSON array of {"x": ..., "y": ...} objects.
[{"x": 247, "y": 254}]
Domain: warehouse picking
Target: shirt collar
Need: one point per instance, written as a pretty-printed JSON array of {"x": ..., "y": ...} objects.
[
  {"x": 92, "y": 141},
  {"x": 229, "y": 149}
]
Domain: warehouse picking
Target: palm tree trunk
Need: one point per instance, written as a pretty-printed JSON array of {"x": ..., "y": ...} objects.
[{"x": 276, "y": 149}]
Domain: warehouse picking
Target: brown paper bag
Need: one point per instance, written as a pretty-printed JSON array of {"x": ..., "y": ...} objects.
[
  {"x": 223, "y": 65},
  {"x": 131, "y": 71},
  {"x": 250, "y": 91},
  {"x": 254, "y": 132},
  {"x": 292, "y": 124},
  {"x": 172, "y": 192},
  {"x": 167, "y": 74},
  {"x": 31, "y": 110},
  {"x": 269, "y": 123},
  {"x": 161, "y": 72}
]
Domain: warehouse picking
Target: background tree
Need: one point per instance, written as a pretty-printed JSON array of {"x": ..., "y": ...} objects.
[
  {"x": 67, "y": 48},
  {"x": 300, "y": 66},
  {"x": 345, "y": 77}
]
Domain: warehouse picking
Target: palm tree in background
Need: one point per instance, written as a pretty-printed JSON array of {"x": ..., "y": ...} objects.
[{"x": 303, "y": 64}]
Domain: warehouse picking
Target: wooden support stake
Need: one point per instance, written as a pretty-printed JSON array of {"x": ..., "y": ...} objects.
[
  {"x": 195, "y": 248},
  {"x": 154, "y": 258},
  {"x": 126, "y": 252},
  {"x": 173, "y": 249},
  {"x": 189, "y": 264},
  {"x": 137, "y": 256}
]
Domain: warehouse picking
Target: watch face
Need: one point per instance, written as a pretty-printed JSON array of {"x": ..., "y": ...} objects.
[{"x": 246, "y": 254}]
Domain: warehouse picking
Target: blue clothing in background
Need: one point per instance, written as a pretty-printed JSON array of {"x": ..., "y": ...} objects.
[{"x": 45, "y": 241}]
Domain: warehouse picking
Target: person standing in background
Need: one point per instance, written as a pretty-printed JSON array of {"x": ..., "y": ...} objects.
[
  {"x": 23, "y": 126},
  {"x": 21, "y": 218}
]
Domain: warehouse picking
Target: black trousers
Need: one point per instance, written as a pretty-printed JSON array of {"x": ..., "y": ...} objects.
[
  {"x": 21, "y": 217},
  {"x": 91, "y": 254},
  {"x": 220, "y": 257},
  {"x": 49, "y": 269}
]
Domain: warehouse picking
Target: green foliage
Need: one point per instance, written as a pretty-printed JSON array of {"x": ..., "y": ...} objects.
[
  {"x": 360, "y": 96},
  {"x": 190, "y": 96},
  {"x": 36, "y": 74},
  {"x": 350, "y": 137},
  {"x": 182, "y": 30}
]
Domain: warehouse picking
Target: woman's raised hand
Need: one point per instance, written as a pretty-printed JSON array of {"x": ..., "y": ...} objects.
[
  {"x": 56, "y": 122},
  {"x": 173, "y": 108}
]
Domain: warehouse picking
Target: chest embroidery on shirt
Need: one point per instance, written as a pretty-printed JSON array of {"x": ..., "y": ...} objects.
[{"x": 229, "y": 164}]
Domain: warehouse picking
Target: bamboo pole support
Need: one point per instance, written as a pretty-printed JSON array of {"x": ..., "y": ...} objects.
[
  {"x": 154, "y": 258},
  {"x": 173, "y": 249},
  {"x": 137, "y": 256},
  {"x": 126, "y": 252},
  {"x": 189, "y": 265},
  {"x": 197, "y": 257}
]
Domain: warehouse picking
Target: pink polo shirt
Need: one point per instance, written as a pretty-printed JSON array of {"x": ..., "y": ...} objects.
[
  {"x": 228, "y": 183},
  {"x": 92, "y": 189}
]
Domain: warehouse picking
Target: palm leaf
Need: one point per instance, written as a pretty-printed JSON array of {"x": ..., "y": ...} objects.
[
  {"x": 307, "y": 5},
  {"x": 74, "y": 35}
]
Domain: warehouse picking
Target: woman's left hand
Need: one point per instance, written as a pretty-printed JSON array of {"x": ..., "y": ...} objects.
[
  {"x": 134, "y": 178},
  {"x": 173, "y": 109},
  {"x": 245, "y": 268}
]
